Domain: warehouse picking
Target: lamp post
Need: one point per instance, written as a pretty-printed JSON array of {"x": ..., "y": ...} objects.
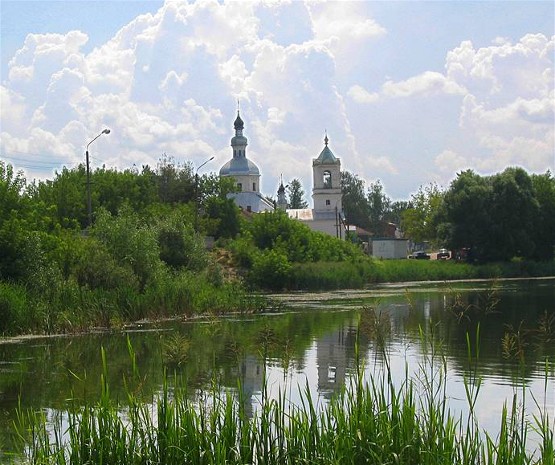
[
  {"x": 89, "y": 204},
  {"x": 196, "y": 192}
]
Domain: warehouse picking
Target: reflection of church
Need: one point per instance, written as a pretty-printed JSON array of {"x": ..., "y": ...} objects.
[{"x": 327, "y": 213}]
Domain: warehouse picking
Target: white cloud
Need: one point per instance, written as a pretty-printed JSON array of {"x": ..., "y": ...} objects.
[
  {"x": 169, "y": 81},
  {"x": 360, "y": 95},
  {"x": 427, "y": 83},
  {"x": 449, "y": 162}
]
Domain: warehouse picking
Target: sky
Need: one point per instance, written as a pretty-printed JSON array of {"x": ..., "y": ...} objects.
[{"x": 408, "y": 92}]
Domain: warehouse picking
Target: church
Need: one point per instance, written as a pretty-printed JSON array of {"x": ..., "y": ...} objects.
[{"x": 327, "y": 212}]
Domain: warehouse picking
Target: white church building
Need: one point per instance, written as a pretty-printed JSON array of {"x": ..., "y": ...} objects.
[
  {"x": 245, "y": 173},
  {"x": 326, "y": 215}
]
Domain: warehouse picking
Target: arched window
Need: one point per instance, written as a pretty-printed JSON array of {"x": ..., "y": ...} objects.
[{"x": 327, "y": 179}]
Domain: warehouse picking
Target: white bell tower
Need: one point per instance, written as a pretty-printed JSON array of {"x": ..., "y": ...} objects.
[{"x": 326, "y": 171}]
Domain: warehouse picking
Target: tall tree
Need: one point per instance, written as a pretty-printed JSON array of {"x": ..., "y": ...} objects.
[
  {"x": 544, "y": 186},
  {"x": 355, "y": 204},
  {"x": 465, "y": 216},
  {"x": 419, "y": 220},
  {"x": 513, "y": 211},
  {"x": 378, "y": 207},
  {"x": 176, "y": 181},
  {"x": 296, "y": 194}
]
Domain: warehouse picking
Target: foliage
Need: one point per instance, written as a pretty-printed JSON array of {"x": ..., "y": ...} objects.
[
  {"x": 131, "y": 242},
  {"x": 176, "y": 181},
  {"x": 222, "y": 217},
  {"x": 419, "y": 220},
  {"x": 367, "y": 421},
  {"x": 379, "y": 205},
  {"x": 355, "y": 206},
  {"x": 296, "y": 194},
  {"x": 180, "y": 246},
  {"x": 498, "y": 217},
  {"x": 544, "y": 225}
]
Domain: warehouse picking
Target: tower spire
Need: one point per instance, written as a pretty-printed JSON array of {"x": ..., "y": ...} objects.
[{"x": 326, "y": 140}]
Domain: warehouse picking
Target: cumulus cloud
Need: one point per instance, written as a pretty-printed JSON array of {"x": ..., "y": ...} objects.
[
  {"x": 360, "y": 95},
  {"x": 168, "y": 81},
  {"x": 449, "y": 162}
]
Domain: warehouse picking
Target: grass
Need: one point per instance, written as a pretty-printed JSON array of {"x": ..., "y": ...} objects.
[
  {"x": 69, "y": 307},
  {"x": 370, "y": 420},
  {"x": 358, "y": 274}
]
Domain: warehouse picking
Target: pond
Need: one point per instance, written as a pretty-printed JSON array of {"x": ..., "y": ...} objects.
[{"x": 500, "y": 332}]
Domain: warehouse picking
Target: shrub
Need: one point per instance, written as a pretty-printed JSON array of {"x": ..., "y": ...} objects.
[
  {"x": 13, "y": 306},
  {"x": 270, "y": 270}
]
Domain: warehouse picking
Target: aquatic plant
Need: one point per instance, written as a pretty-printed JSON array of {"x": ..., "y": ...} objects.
[{"x": 370, "y": 420}]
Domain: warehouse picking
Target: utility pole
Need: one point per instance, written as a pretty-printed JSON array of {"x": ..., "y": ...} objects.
[
  {"x": 197, "y": 206},
  {"x": 89, "y": 202}
]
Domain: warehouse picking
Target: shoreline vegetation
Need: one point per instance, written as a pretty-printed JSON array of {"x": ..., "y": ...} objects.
[
  {"x": 369, "y": 421},
  {"x": 144, "y": 255},
  {"x": 67, "y": 307}
]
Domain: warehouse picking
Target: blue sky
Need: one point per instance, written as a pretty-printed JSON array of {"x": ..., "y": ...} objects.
[{"x": 410, "y": 93}]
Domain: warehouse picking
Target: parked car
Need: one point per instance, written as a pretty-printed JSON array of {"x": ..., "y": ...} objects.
[
  {"x": 443, "y": 254},
  {"x": 419, "y": 255}
]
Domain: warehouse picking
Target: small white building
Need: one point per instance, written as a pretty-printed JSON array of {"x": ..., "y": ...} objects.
[{"x": 390, "y": 248}]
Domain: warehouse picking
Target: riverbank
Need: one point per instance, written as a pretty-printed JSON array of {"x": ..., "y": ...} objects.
[
  {"x": 67, "y": 307},
  {"x": 358, "y": 274}
]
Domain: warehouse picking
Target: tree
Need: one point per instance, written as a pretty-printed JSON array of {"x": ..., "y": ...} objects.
[
  {"x": 420, "y": 219},
  {"x": 296, "y": 194},
  {"x": 514, "y": 211},
  {"x": 497, "y": 217},
  {"x": 176, "y": 182},
  {"x": 13, "y": 230},
  {"x": 378, "y": 207},
  {"x": 464, "y": 218},
  {"x": 355, "y": 204},
  {"x": 544, "y": 187}
]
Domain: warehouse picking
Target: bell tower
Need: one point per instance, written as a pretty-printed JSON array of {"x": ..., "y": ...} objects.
[{"x": 326, "y": 172}]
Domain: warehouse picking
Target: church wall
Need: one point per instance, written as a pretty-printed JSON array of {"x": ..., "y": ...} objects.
[{"x": 247, "y": 181}]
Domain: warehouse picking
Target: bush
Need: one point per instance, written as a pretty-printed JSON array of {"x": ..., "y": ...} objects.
[
  {"x": 13, "y": 307},
  {"x": 270, "y": 270}
]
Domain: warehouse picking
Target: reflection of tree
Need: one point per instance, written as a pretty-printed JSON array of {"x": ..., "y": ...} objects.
[
  {"x": 493, "y": 315},
  {"x": 229, "y": 350}
]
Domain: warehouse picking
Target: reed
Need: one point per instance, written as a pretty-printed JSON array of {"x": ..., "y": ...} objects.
[{"x": 371, "y": 420}]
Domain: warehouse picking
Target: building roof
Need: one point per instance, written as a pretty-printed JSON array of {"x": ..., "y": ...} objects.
[
  {"x": 326, "y": 156},
  {"x": 239, "y": 167}
]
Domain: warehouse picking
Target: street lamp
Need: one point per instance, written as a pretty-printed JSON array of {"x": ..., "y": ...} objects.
[
  {"x": 196, "y": 192},
  {"x": 89, "y": 204}
]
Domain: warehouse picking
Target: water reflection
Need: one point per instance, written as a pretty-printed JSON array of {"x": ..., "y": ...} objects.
[{"x": 320, "y": 343}]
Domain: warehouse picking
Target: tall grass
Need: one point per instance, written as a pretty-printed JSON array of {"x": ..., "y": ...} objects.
[
  {"x": 369, "y": 421},
  {"x": 358, "y": 274},
  {"x": 70, "y": 307}
]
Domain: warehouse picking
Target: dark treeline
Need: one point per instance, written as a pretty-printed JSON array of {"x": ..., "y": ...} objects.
[{"x": 494, "y": 218}]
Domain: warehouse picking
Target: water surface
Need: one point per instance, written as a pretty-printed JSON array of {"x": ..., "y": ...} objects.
[{"x": 499, "y": 332}]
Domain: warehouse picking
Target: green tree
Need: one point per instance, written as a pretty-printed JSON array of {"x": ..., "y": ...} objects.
[
  {"x": 13, "y": 225},
  {"x": 544, "y": 227},
  {"x": 296, "y": 194},
  {"x": 514, "y": 212},
  {"x": 464, "y": 220},
  {"x": 130, "y": 241},
  {"x": 355, "y": 203},
  {"x": 378, "y": 207},
  {"x": 420, "y": 219},
  {"x": 176, "y": 182}
]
